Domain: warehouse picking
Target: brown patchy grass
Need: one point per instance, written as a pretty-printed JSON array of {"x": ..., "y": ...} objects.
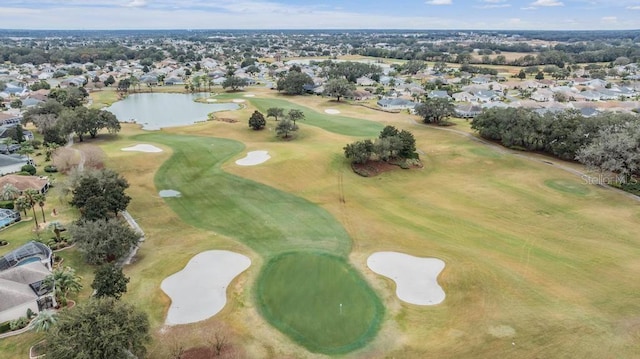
[{"x": 557, "y": 269}]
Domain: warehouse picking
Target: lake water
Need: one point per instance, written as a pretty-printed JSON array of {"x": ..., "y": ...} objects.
[{"x": 157, "y": 110}]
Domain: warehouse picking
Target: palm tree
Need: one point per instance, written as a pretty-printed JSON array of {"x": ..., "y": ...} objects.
[
  {"x": 45, "y": 320},
  {"x": 32, "y": 197},
  {"x": 41, "y": 201},
  {"x": 57, "y": 228},
  {"x": 9, "y": 192},
  {"x": 20, "y": 204},
  {"x": 63, "y": 281},
  {"x": 26, "y": 150}
]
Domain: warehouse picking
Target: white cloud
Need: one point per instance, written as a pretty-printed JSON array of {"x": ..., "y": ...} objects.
[
  {"x": 609, "y": 19},
  {"x": 635, "y": 7},
  {"x": 137, "y": 3},
  {"x": 529, "y": 8},
  {"x": 439, "y": 2},
  {"x": 546, "y": 3}
]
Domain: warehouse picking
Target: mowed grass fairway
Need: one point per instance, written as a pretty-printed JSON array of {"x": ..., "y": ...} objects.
[
  {"x": 298, "y": 292},
  {"x": 327, "y": 307},
  {"x": 538, "y": 263}
]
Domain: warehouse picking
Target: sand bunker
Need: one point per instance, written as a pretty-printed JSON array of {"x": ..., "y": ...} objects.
[
  {"x": 331, "y": 111},
  {"x": 238, "y": 100},
  {"x": 249, "y": 95},
  {"x": 142, "y": 148},
  {"x": 212, "y": 100},
  {"x": 199, "y": 291},
  {"x": 416, "y": 278},
  {"x": 253, "y": 158},
  {"x": 169, "y": 193}
]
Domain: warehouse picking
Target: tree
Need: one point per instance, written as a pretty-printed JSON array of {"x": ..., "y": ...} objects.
[
  {"x": 616, "y": 149},
  {"x": 295, "y": 115},
  {"x": 110, "y": 80},
  {"x": 17, "y": 134},
  {"x": 41, "y": 200},
  {"x": 540, "y": 75},
  {"x": 522, "y": 75},
  {"x": 436, "y": 110},
  {"x": 359, "y": 152},
  {"x": 275, "y": 112},
  {"x": 26, "y": 150},
  {"x": 63, "y": 281},
  {"x": 109, "y": 281},
  {"x": 45, "y": 320},
  {"x": 103, "y": 241},
  {"x": 257, "y": 121},
  {"x": 100, "y": 328},
  {"x": 100, "y": 194},
  {"x": 57, "y": 228},
  {"x": 284, "y": 127},
  {"x": 408, "y": 144},
  {"x": 17, "y": 103},
  {"x": 338, "y": 88},
  {"x": 294, "y": 83},
  {"x": 49, "y": 150},
  {"x": 9, "y": 192},
  {"x": 31, "y": 198},
  {"x": 234, "y": 82}
]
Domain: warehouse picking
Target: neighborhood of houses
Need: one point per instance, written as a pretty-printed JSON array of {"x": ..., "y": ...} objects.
[{"x": 22, "y": 270}]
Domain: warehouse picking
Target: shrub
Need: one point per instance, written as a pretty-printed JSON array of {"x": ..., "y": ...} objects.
[
  {"x": 3, "y": 243},
  {"x": 28, "y": 168},
  {"x": 18, "y": 323},
  {"x": 5, "y": 327},
  {"x": 30, "y": 313},
  {"x": 50, "y": 169},
  {"x": 6, "y": 204},
  {"x": 24, "y": 173}
]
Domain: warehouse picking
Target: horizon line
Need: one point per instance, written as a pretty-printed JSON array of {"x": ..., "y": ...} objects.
[{"x": 321, "y": 29}]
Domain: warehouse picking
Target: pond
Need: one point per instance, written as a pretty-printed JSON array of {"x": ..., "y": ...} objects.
[{"x": 157, "y": 110}]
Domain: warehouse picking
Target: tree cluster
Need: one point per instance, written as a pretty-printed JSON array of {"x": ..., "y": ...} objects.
[
  {"x": 63, "y": 114},
  {"x": 391, "y": 144},
  {"x": 100, "y": 328},
  {"x": 608, "y": 141},
  {"x": 349, "y": 70},
  {"x": 435, "y": 110},
  {"x": 294, "y": 82}
]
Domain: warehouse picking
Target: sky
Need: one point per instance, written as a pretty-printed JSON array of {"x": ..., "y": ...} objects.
[{"x": 321, "y": 14}]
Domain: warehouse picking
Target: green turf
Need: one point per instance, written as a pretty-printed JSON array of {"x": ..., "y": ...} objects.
[
  {"x": 267, "y": 220},
  {"x": 319, "y": 301},
  {"x": 566, "y": 186},
  {"x": 333, "y": 123},
  {"x": 273, "y": 222}
]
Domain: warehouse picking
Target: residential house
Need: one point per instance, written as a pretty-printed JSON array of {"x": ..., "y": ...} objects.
[
  {"x": 23, "y": 183},
  {"x": 464, "y": 96},
  {"x": 365, "y": 81},
  {"x": 396, "y": 104},
  {"x": 486, "y": 96},
  {"x": 467, "y": 110},
  {"x": 9, "y": 118},
  {"x": 542, "y": 95},
  {"x": 22, "y": 272},
  {"x": 439, "y": 94},
  {"x": 12, "y": 163}
]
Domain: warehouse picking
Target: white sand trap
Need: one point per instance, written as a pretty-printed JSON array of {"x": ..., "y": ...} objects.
[
  {"x": 416, "y": 278},
  {"x": 212, "y": 100},
  {"x": 239, "y": 100},
  {"x": 331, "y": 111},
  {"x": 143, "y": 148},
  {"x": 253, "y": 158},
  {"x": 169, "y": 193},
  {"x": 249, "y": 95},
  {"x": 199, "y": 291}
]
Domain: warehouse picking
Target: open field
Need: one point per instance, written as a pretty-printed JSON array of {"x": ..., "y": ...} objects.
[{"x": 538, "y": 264}]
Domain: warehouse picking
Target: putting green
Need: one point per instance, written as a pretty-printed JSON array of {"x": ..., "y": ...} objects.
[
  {"x": 300, "y": 292},
  {"x": 319, "y": 301}
]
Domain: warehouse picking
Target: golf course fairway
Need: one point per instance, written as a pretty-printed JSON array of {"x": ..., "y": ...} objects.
[{"x": 307, "y": 276}]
